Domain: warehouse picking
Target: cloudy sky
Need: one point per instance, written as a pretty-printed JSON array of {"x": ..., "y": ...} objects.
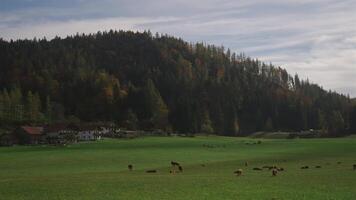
[{"x": 314, "y": 38}]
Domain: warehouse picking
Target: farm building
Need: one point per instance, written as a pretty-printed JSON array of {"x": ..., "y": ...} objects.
[
  {"x": 29, "y": 135},
  {"x": 61, "y": 133},
  {"x": 87, "y": 132}
]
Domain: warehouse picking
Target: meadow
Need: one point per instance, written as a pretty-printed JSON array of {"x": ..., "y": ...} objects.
[{"x": 98, "y": 170}]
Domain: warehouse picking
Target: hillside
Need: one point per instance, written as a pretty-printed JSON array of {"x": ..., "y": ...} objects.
[{"x": 142, "y": 81}]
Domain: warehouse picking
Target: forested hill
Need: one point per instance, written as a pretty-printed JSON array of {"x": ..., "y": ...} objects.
[{"x": 142, "y": 81}]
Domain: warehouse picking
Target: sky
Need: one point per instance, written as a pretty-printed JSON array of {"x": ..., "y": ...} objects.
[{"x": 314, "y": 38}]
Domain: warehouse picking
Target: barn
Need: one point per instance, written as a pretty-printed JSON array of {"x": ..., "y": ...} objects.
[{"x": 29, "y": 135}]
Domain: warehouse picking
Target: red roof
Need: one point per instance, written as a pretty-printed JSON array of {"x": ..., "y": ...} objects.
[{"x": 33, "y": 130}]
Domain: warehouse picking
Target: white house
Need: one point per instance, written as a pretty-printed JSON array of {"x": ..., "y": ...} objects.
[{"x": 88, "y": 134}]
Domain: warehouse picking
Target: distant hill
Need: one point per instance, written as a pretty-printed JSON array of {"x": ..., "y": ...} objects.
[{"x": 141, "y": 81}]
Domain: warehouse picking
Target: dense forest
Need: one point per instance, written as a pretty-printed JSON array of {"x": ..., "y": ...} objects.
[{"x": 144, "y": 81}]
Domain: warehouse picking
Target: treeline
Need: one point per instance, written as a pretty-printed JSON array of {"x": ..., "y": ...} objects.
[
  {"x": 141, "y": 81},
  {"x": 17, "y": 109}
]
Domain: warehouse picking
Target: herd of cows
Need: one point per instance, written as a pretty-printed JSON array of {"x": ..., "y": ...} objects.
[{"x": 176, "y": 167}]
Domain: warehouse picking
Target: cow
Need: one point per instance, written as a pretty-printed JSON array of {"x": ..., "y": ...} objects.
[
  {"x": 280, "y": 169},
  {"x": 305, "y": 167},
  {"x": 257, "y": 169},
  {"x": 151, "y": 171},
  {"x": 238, "y": 172},
  {"x": 354, "y": 166},
  {"x": 246, "y": 163},
  {"x": 130, "y": 167},
  {"x": 174, "y": 163},
  {"x": 318, "y": 166},
  {"x": 180, "y": 168},
  {"x": 274, "y": 172}
]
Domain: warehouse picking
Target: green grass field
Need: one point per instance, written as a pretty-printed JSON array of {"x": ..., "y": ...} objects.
[{"x": 98, "y": 170}]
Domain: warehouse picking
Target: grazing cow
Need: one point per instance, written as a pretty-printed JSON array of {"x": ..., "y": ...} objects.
[
  {"x": 173, "y": 163},
  {"x": 354, "y": 166},
  {"x": 338, "y": 163},
  {"x": 305, "y": 167},
  {"x": 274, "y": 172},
  {"x": 130, "y": 167},
  {"x": 151, "y": 171},
  {"x": 180, "y": 168},
  {"x": 202, "y": 165},
  {"x": 318, "y": 166},
  {"x": 238, "y": 172},
  {"x": 280, "y": 169},
  {"x": 257, "y": 169},
  {"x": 246, "y": 163}
]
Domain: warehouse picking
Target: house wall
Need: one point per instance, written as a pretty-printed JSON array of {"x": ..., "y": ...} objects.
[{"x": 87, "y": 135}]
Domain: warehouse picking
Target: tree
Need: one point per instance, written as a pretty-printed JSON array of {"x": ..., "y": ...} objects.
[
  {"x": 16, "y": 108},
  {"x": 48, "y": 110},
  {"x": 131, "y": 121},
  {"x": 33, "y": 107},
  {"x": 353, "y": 120},
  {"x": 6, "y": 106},
  {"x": 336, "y": 123},
  {"x": 269, "y": 124},
  {"x": 155, "y": 107},
  {"x": 206, "y": 126}
]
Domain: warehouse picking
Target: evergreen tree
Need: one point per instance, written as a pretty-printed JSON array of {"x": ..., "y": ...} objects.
[
  {"x": 353, "y": 120},
  {"x": 48, "y": 110},
  {"x": 7, "y": 106},
  {"x": 156, "y": 109},
  {"x": 33, "y": 107},
  {"x": 206, "y": 126}
]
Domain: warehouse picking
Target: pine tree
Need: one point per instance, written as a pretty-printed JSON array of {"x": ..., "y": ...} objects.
[
  {"x": 33, "y": 107},
  {"x": 353, "y": 120},
  {"x": 48, "y": 110},
  {"x": 2, "y": 107},
  {"x": 6, "y": 105},
  {"x": 206, "y": 126},
  {"x": 269, "y": 125},
  {"x": 17, "y": 108},
  {"x": 156, "y": 109}
]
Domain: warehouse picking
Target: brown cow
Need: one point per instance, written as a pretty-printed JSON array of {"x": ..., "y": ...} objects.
[
  {"x": 280, "y": 169},
  {"x": 274, "y": 172},
  {"x": 238, "y": 172},
  {"x": 130, "y": 167},
  {"x": 174, "y": 163},
  {"x": 180, "y": 168}
]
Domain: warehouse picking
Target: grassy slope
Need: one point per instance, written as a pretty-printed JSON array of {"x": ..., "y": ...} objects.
[{"x": 99, "y": 170}]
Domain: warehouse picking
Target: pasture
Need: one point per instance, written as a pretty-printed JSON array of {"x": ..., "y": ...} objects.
[{"x": 99, "y": 170}]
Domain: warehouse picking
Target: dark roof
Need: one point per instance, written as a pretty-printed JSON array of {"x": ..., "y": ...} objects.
[{"x": 31, "y": 130}]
